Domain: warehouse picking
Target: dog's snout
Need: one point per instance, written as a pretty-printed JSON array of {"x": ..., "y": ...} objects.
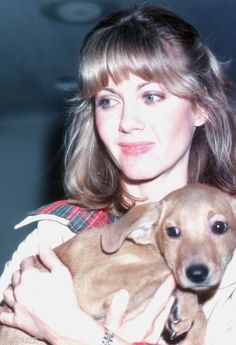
[{"x": 197, "y": 273}]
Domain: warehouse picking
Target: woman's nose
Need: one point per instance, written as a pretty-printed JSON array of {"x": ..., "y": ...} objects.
[{"x": 131, "y": 120}]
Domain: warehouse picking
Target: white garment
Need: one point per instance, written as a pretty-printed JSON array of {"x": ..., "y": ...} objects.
[{"x": 51, "y": 231}]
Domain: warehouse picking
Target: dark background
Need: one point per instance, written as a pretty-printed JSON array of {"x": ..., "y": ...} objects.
[{"x": 38, "y": 68}]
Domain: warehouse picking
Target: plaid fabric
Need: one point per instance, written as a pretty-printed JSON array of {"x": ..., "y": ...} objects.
[{"x": 79, "y": 218}]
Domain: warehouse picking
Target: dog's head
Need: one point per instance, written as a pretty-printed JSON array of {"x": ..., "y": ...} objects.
[{"x": 194, "y": 228}]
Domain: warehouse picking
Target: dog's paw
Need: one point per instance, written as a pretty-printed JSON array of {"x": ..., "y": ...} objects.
[{"x": 177, "y": 324}]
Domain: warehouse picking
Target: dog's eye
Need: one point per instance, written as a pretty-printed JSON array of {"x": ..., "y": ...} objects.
[
  {"x": 173, "y": 231},
  {"x": 219, "y": 227}
]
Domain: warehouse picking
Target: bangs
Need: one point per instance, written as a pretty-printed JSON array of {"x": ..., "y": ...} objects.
[{"x": 126, "y": 50}]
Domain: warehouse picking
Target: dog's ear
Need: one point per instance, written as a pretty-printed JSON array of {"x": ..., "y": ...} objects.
[{"x": 138, "y": 224}]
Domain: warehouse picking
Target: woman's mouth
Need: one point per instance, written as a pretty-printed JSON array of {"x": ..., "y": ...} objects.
[{"x": 135, "y": 148}]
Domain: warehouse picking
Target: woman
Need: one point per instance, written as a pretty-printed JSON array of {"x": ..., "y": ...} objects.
[{"x": 154, "y": 112}]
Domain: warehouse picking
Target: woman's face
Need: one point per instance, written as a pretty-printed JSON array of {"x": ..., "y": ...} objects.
[{"x": 146, "y": 129}]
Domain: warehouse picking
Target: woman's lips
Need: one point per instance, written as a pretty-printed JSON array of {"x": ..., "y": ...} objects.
[{"x": 135, "y": 149}]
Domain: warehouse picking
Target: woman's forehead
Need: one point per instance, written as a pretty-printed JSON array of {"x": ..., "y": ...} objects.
[{"x": 130, "y": 78}]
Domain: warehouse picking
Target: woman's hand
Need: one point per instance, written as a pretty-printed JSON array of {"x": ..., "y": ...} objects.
[
  {"x": 148, "y": 326},
  {"x": 43, "y": 303}
]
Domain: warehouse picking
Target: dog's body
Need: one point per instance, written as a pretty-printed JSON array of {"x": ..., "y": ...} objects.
[{"x": 191, "y": 232}]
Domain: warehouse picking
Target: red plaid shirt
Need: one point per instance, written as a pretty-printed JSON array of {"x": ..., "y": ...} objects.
[{"x": 78, "y": 217}]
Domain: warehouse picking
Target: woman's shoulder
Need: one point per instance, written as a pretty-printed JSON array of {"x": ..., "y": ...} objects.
[
  {"x": 75, "y": 217},
  {"x": 53, "y": 224}
]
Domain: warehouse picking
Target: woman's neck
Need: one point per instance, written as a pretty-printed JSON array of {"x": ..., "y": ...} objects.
[{"x": 156, "y": 189}]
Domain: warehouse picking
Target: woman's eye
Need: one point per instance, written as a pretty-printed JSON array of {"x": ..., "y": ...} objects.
[
  {"x": 106, "y": 103},
  {"x": 153, "y": 98}
]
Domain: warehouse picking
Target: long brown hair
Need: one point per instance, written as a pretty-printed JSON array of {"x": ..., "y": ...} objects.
[{"x": 155, "y": 44}]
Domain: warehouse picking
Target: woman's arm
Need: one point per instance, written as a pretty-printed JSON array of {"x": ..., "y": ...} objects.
[
  {"x": 51, "y": 312},
  {"x": 47, "y": 233}
]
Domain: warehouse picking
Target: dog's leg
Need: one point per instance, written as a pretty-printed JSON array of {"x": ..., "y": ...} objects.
[
  {"x": 196, "y": 335},
  {"x": 187, "y": 320}
]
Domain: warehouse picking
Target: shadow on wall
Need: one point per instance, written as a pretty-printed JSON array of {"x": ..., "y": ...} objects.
[{"x": 31, "y": 154}]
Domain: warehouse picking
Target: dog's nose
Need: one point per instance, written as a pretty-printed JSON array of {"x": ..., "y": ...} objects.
[{"x": 197, "y": 273}]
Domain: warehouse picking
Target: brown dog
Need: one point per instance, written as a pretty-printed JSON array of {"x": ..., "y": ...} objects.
[{"x": 191, "y": 232}]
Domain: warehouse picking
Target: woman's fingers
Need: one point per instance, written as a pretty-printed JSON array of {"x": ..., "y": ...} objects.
[
  {"x": 148, "y": 325},
  {"x": 15, "y": 279},
  {"x": 49, "y": 259},
  {"x": 159, "y": 300},
  {"x": 117, "y": 309},
  {"x": 7, "y": 318},
  {"x": 28, "y": 263},
  {"x": 160, "y": 322},
  {"x": 29, "y": 281},
  {"x": 155, "y": 314},
  {"x": 9, "y": 297},
  {"x": 58, "y": 270}
]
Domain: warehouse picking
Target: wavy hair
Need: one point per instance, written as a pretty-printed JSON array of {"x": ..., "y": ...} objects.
[{"x": 154, "y": 44}]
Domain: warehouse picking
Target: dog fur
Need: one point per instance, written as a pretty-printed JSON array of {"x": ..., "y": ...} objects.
[{"x": 191, "y": 233}]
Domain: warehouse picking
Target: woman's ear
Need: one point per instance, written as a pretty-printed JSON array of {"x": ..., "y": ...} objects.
[{"x": 200, "y": 116}]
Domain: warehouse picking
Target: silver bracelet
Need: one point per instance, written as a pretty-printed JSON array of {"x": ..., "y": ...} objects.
[{"x": 108, "y": 337}]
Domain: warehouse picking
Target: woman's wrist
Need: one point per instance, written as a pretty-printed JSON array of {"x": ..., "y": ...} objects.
[
  {"x": 91, "y": 333},
  {"x": 91, "y": 339},
  {"x": 82, "y": 330},
  {"x": 86, "y": 331}
]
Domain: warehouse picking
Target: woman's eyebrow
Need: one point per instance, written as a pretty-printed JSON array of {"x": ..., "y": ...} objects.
[
  {"x": 143, "y": 84},
  {"x": 140, "y": 86},
  {"x": 107, "y": 89}
]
